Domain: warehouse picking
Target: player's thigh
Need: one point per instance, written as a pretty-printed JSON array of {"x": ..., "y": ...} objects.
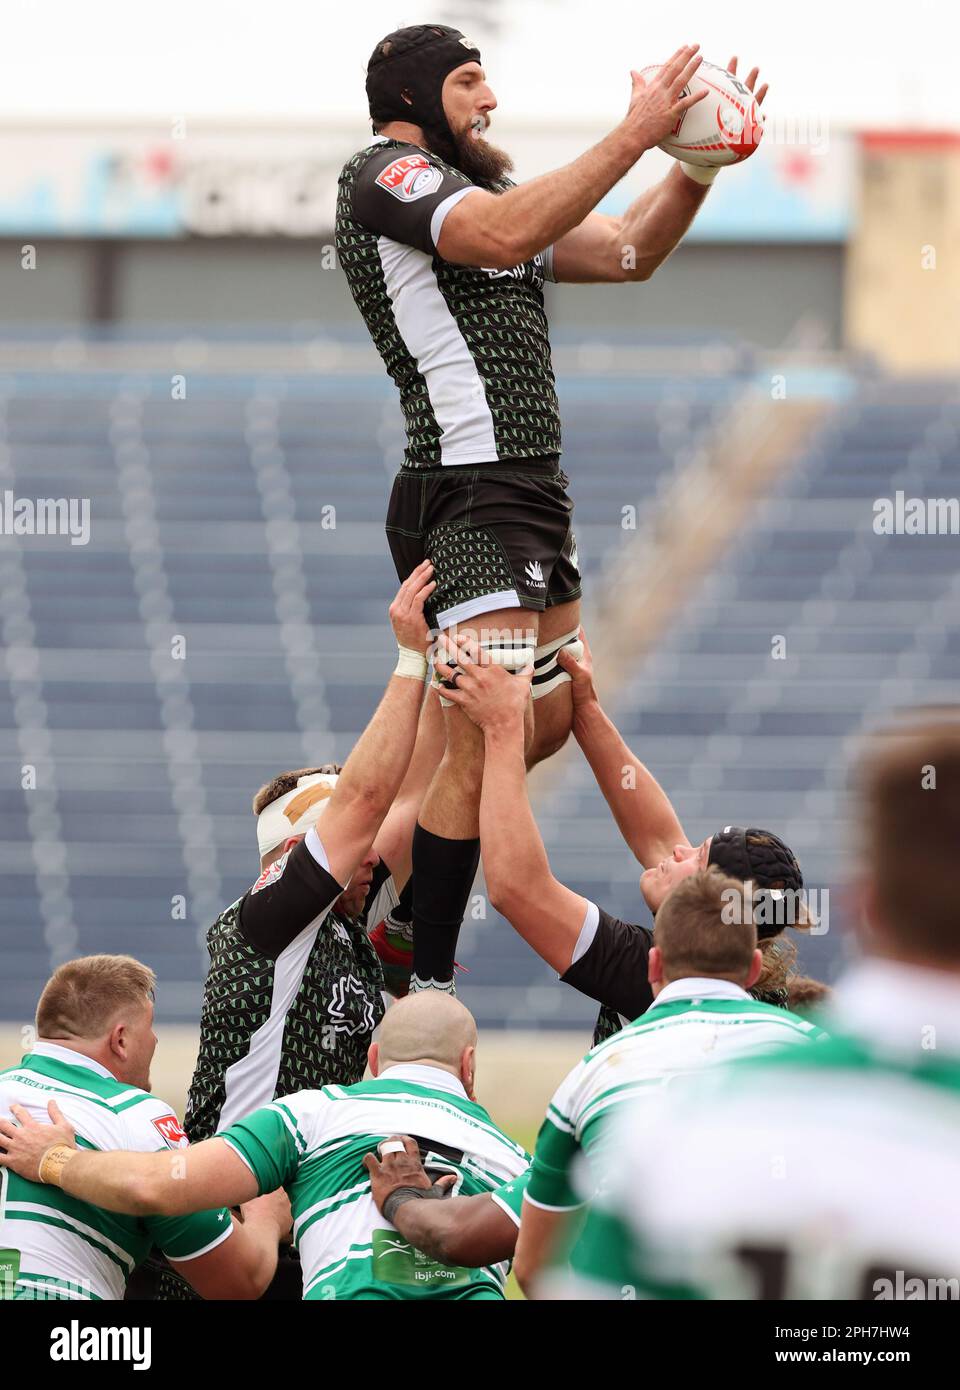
[
  {"x": 506, "y": 628},
  {"x": 502, "y": 626},
  {"x": 558, "y": 621}
]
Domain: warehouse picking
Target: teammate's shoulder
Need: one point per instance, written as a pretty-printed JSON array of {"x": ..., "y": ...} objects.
[{"x": 788, "y": 1020}]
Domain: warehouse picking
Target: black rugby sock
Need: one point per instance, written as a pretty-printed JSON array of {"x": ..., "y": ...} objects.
[{"x": 443, "y": 874}]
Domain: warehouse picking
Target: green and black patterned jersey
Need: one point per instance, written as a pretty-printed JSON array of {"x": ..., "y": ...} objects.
[
  {"x": 468, "y": 347},
  {"x": 292, "y": 996}
]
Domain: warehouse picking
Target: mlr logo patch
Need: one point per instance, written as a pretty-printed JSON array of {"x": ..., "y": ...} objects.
[
  {"x": 410, "y": 177},
  {"x": 171, "y": 1132}
]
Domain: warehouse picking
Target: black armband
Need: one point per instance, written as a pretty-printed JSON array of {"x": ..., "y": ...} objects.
[{"x": 407, "y": 1194}]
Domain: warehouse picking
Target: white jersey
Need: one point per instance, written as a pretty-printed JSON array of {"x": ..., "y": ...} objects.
[
  {"x": 313, "y": 1144},
  {"x": 824, "y": 1173},
  {"x": 693, "y": 1023},
  {"x": 54, "y": 1246}
]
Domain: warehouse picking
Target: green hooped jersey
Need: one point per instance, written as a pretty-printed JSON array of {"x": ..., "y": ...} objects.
[
  {"x": 53, "y": 1246},
  {"x": 829, "y": 1173},
  {"x": 679, "y": 1034},
  {"x": 313, "y": 1144}
]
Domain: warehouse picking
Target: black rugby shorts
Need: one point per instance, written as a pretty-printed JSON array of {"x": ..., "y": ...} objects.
[{"x": 500, "y": 536}]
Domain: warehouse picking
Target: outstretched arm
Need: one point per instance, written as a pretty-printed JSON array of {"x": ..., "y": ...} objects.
[
  {"x": 614, "y": 249},
  {"x": 172, "y": 1182},
  {"x": 640, "y": 806},
  {"x": 505, "y": 229},
  {"x": 376, "y": 767},
  {"x": 520, "y": 883},
  {"x": 394, "y": 840}
]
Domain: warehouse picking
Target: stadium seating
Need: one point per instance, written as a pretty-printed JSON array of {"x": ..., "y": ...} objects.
[{"x": 223, "y": 623}]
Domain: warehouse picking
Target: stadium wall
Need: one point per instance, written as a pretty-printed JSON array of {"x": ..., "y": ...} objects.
[{"x": 754, "y": 293}]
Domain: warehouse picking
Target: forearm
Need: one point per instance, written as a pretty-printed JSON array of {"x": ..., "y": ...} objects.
[
  {"x": 395, "y": 836},
  {"x": 508, "y": 832},
  {"x": 380, "y": 757},
  {"x": 643, "y": 811},
  {"x": 131, "y": 1183},
  {"x": 260, "y": 1246},
  {"x": 468, "y": 1231},
  {"x": 534, "y": 215},
  {"x": 657, "y": 221},
  {"x": 431, "y": 1226}
]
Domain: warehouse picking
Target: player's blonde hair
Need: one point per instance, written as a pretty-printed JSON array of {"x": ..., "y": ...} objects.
[{"x": 83, "y": 998}]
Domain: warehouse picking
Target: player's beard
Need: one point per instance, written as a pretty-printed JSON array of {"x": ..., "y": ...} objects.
[{"x": 478, "y": 159}]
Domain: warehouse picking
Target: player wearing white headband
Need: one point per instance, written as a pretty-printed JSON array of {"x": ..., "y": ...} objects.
[{"x": 294, "y": 989}]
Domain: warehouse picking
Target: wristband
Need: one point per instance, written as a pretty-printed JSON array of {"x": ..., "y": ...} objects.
[
  {"x": 53, "y": 1162},
  {"x": 407, "y": 1194},
  {"x": 411, "y": 664},
  {"x": 698, "y": 173}
]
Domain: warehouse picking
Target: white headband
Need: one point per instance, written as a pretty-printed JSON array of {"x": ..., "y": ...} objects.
[{"x": 295, "y": 811}]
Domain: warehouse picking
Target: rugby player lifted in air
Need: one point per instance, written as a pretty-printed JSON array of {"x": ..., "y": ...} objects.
[
  {"x": 604, "y": 958},
  {"x": 446, "y": 259}
]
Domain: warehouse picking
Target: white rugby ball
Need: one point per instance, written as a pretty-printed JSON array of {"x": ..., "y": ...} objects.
[{"x": 724, "y": 128}]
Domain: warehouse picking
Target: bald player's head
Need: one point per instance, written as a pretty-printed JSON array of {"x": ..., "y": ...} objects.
[{"x": 429, "y": 1028}]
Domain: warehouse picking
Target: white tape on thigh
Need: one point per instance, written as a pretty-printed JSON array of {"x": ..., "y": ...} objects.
[
  {"x": 547, "y": 674},
  {"x": 514, "y": 657}
]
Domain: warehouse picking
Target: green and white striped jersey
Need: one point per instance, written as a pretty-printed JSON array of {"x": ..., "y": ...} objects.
[
  {"x": 52, "y": 1245},
  {"x": 509, "y": 1196},
  {"x": 313, "y": 1144},
  {"x": 692, "y": 1023},
  {"x": 830, "y": 1172}
]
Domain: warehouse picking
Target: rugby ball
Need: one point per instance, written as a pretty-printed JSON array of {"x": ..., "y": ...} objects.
[{"x": 724, "y": 128}]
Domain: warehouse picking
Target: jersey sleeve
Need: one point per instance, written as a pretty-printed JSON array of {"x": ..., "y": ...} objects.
[
  {"x": 150, "y": 1126},
  {"x": 288, "y": 896},
  {"x": 183, "y": 1238},
  {"x": 551, "y": 1174},
  {"x": 271, "y": 1143},
  {"x": 405, "y": 194},
  {"x": 509, "y": 1195},
  {"x": 610, "y": 963}
]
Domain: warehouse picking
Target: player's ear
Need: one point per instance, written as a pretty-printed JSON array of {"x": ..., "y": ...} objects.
[
  {"x": 655, "y": 966},
  {"x": 468, "y": 1070},
  {"x": 373, "y": 1059},
  {"x": 117, "y": 1040},
  {"x": 756, "y": 968}
]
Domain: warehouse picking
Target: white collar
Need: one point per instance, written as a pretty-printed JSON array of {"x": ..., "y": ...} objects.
[
  {"x": 425, "y": 1075},
  {"x": 697, "y": 987},
  {"x": 899, "y": 1007},
  {"x": 70, "y": 1056}
]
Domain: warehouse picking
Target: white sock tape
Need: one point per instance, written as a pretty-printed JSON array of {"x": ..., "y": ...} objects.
[
  {"x": 514, "y": 658},
  {"x": 548, "y": 673}
]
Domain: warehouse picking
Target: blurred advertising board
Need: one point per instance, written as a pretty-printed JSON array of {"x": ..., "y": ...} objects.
[{"x": 281, "y": 181}]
